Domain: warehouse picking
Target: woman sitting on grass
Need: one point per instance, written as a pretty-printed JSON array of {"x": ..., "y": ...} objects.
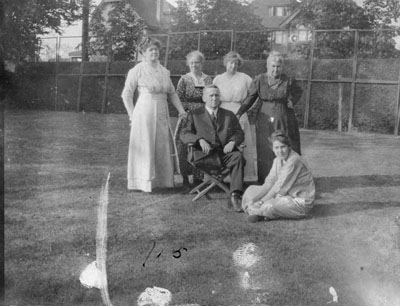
[{"x": 288, "y": 190}]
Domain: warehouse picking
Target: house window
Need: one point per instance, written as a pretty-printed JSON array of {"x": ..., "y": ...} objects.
[
  {"x": 280, "y": 37},
  {"x": 278, "y": 11}
]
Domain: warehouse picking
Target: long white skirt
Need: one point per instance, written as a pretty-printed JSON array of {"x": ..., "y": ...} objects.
[
  {"x": 151, "y": 150},
  {"x": 276, "y": 208}
]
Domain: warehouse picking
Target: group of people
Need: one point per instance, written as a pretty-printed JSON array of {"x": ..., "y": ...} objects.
[{"x": 213, "y": 115}]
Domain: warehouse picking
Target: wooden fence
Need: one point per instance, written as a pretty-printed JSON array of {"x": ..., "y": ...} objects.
[{"x": 310, "y": 80}]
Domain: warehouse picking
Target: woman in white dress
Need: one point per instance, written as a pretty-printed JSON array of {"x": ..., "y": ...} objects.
[
  {"x": 234, "y": 87},
  {"x": 151, "y": 161}
]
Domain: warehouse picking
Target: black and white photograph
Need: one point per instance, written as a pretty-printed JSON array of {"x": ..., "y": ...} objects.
[{"x": 200, "y": 152}]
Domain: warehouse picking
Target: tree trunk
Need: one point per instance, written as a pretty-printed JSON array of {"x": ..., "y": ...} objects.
[{"x": 85, "y": 30}]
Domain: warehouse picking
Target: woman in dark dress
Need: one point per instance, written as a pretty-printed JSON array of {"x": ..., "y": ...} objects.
[
  {"x": 190, "y": 91},
  {"x": 278, "y": 93}
]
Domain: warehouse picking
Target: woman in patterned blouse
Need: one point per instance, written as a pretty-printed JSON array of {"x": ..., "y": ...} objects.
[{"x": 190, "y": 91}]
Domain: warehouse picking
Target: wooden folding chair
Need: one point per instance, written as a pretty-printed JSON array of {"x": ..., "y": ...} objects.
[{"x": 212, "y": 178}]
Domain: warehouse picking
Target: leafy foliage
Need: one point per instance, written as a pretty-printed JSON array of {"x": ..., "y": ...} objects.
[
  {"x": 345, "y": 14},
  {"x": 122, "y": 30},
  {"x": 378, "y": 44},
  {"x": 23, "y": 23},
  {"x": 205, "y": 16},
  {"x": 333, "y": 14},
  {"x": 384, "y": 11}
]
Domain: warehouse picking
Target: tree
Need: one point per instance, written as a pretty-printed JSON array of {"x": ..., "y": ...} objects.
[
  {"x": 122, "y": 30},
  {"x": 226, "y": 15},
  {"x": 25, "y": 22},
  {"x": 209, "y": 15},
  {"x": 183, "y": 18},
  {"x": 346, "y": 14},
  {"x": 385, "y": 12},
  {"x": 85, "y": 29},
  {"x": 333, "y": 14},
  {"x": 380, "y": 43}
]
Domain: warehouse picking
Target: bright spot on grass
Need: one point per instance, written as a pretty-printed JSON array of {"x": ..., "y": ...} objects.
[
  {"x": 246, "y": 283},
  {"x": 155, "y": 296},
  {"x": 380, "y": 294},
  {"x": 332, "y": 291},
  {"x": 91, "y": 276},
  {"x": 245, "y": 256}
]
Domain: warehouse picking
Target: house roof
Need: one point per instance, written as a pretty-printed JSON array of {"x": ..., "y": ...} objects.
[
  {"x": 75, "y": 53},
  {"x": 290, "y": 18},
  {"x": 146, "y": 9},
  {"x": 273, "y": 2},
  {"x": 261, "y": 9}
]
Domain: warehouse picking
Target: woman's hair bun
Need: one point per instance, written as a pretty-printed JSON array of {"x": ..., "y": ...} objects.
[{"x": 280, "y": 136}]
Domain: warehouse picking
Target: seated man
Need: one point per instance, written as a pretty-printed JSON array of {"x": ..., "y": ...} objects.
[{"x": 214, "y": 129}]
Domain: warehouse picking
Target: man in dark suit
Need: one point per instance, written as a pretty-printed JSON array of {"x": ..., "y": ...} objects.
[{"x": 212, "y": 129}]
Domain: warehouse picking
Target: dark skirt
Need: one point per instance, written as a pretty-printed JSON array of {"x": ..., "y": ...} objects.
[
  {"x": 185, "y": 167},
  {"x": 273, "y": 116}
]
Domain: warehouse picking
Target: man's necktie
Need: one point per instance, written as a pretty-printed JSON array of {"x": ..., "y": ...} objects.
[{"x": 214, "y": 119}]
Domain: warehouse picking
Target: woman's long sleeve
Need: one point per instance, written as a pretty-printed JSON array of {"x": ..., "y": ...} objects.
[
  {"x": 181, "y": 89},
  {"x": 288, "y": 175},
  {"x": 128, "y": 92},
  {"x": 251, "y": 97},
  {"x": 269, "y": 182},
  {"x": 295, "y": 91},
  {"x": 174, "y": 99}
]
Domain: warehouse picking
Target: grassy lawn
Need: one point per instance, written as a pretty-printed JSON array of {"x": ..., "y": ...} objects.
[{"x": 55, "y": 163}]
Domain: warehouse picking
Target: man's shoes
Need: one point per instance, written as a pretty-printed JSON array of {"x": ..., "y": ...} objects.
[
  {"x": 255, "y": 218},
  {"x": 236, "y": 202}
]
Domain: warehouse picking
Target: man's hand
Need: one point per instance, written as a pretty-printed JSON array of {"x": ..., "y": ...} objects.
[
  {"x": 229, "y": 147},
  {"x": 205, "y": 146},
  {"x": 290, "y": 104}
]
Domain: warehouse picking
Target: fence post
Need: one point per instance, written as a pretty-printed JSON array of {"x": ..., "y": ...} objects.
[
  {"x": 309, "y": 78},
  {"x": 198, "y": 40},
  {"x": 234, "y": 40},
  {"x": 166, "y": 52},
  {"x": 340, "y": 101},
  {"x": 57, "y": 64},
  {"x": 39, "y": 47},
  {"x": 105, "y": 91},
  {"x": 232, "y": 37},
  {"x": 137, "y": 51},
  {"x": 78, "y": 101},
  {"x": 353, "y": 81},
  {"x": 396, "y": 126}
]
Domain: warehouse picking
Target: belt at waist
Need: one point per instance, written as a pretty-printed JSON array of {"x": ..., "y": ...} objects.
[{"x": 282, "y": 101}]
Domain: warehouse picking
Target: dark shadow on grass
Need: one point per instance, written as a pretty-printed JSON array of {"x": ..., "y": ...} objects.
[
  {"x": 330, "y": 184},
  {"x": 330, "y": 210}
]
